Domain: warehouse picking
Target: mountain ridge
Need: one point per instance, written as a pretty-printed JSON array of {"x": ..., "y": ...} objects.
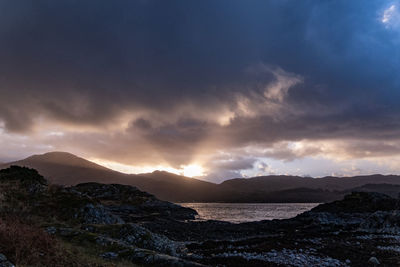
[
  {"x": 68, "y": 169},
  {"x": 83, "y": 171}
]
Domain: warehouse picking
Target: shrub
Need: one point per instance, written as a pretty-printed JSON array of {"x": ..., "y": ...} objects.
[
  {"x": 26, "y": 244},
  {"x": 22, "y": 174}
]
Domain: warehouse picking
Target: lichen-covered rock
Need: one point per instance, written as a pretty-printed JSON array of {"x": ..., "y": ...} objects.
[
  {"x": 286, "y": 257},
  {"x": 121, "y": 222},
  {"x": 136, "y": 235},
  {"x": 167, "y": 209},
  {"x": 381, "y": 222},
  {"x": 97, "y": 214},
  {"x": 131, "y": 204},
  {"x": 360, "y": 202},
  {"x": 374, "y": 261},
  {"x": 150, "y": 258},
  {"x": 4, "y": 261},
  {"x": 109, "y": 255},
  {"x": 114, "y": 192},
  {"x": 359, "y": 211}
]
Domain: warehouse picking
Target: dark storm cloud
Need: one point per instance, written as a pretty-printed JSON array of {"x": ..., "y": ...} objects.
[{"x": 196, "y": 75}]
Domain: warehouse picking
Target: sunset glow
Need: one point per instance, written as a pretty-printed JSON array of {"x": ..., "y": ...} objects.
[
  {"x": 193, "y": 170},
  {"x": 131, "y": 121},
  {"x": 235, "y": 87}
]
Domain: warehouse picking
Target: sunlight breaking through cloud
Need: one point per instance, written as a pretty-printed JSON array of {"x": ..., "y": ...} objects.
[{"x": 191, "y": 170}]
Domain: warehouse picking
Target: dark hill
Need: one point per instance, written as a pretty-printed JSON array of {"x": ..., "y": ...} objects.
[
  {"x": 68, "y": 169},
  {"x": 282, "y": 182}
]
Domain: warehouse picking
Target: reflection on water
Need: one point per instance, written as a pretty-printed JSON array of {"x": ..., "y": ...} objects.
[{"x": 246, "y": 212}]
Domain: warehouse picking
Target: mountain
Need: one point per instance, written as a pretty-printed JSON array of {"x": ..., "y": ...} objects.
[
  {"x": 282, "y": 182},
  {"x": 179, "y": 188},
  {"x": 67, "y": 169}
]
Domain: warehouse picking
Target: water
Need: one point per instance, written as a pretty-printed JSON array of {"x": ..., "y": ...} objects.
[{"x": 246, "y": 212}]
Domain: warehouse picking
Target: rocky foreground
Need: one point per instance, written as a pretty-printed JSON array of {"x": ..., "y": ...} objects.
[{"x": 115, "y": 225}]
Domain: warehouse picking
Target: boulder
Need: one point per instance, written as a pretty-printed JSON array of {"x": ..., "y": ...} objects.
[
  {"x": 4, "y": 261},
  {"x": 374, "y": 261}
]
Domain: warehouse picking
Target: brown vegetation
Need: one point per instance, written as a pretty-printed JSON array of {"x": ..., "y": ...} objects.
[{"x": 26, "y": 244}]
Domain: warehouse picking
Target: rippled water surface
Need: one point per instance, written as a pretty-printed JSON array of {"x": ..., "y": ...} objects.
[{"x": 246, "y": 212}]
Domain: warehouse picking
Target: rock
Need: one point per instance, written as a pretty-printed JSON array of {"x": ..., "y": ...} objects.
[
  {"x": 169, "y": 210},
  {"x": 360, "y": 202},
  {"x": 6, "y": 264},
  {"x": 124, "y": 223},
  {"x": 97, "y": 214},
  {"x": 67, "y": 232},
  {"x": 4, "y": 261},
  {"x": 150, "y": 258},
  {"x": 130, "y": 203},
  {"x": 109, "y": 255},
  {"x": 374, "y": 261},
  {"x": 138, "y": 236},
  {"x": 360, "y": 211},
  {"x": 51, "y": 230}
]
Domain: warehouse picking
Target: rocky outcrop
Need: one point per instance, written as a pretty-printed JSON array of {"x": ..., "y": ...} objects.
[
  {"x": 4, "y": 262},
  {"x": 360, "y": 202},
  {"x": 98, "y": 216},
  {"x": 359, "y": 211},
  {"x": 131, "y": 204},
  {"x": 123, "y": 223},
  {"x": 342, "y": 233}
]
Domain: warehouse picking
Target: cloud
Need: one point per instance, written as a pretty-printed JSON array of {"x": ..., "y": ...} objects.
[
  {"x": 225, "y": 165},
  {"x": 391, "y": 16},
  {"x": 148, "y": 82}
]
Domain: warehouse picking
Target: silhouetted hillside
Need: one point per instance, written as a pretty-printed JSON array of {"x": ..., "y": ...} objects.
[
  {"x": 68, "y": 169},
  {"x": 387, "y": 189},
  {"x": 282, "y": 182}
]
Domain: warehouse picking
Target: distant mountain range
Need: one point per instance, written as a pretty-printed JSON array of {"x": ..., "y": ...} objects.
[{"x": 68, "y": 169}]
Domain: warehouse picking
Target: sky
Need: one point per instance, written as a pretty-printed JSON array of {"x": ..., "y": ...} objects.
[{"x": 214, "y": 89}]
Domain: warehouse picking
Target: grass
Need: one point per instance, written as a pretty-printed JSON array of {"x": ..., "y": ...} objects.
[
  {"x": 27, "y": 206},
  {"x": 25, "y": 244}
]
